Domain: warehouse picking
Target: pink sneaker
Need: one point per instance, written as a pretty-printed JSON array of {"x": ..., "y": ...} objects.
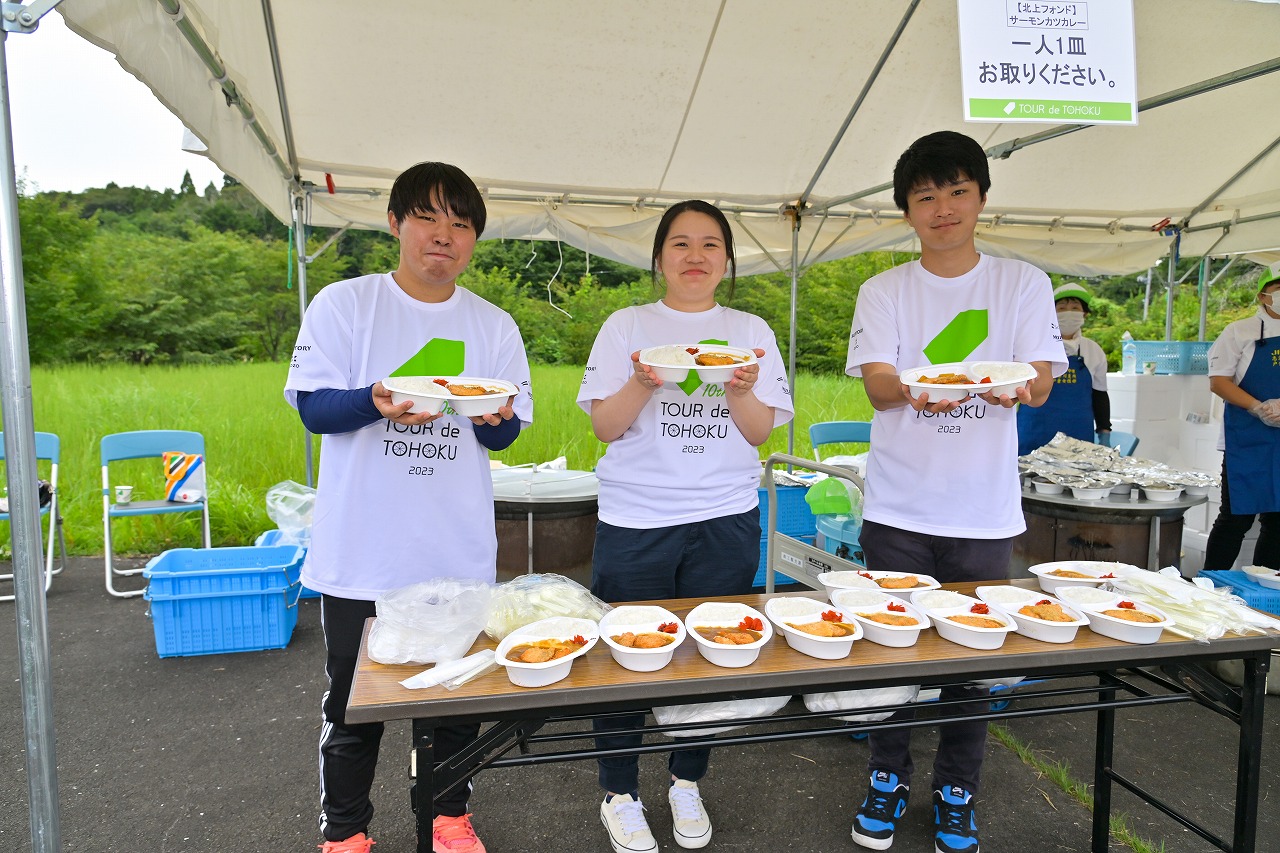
[
  {"x": 454, "y": 835},
  {"x": 358, "y": 843}
]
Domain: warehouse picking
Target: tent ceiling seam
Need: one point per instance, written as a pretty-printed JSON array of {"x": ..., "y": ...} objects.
[
  {"x": 1004, "y": 149},
  {"x": 688, "y": 107},
  {"x": 857, "y": 104},
  {"x": 215, "y": 67},
  {"x": 760, "y": 246},
  {"x": 1261, "y": 155},
  {"x": 273, "y": 47}
]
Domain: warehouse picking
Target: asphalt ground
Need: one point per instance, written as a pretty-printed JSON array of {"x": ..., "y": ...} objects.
[{"x": 218, "y": 753}]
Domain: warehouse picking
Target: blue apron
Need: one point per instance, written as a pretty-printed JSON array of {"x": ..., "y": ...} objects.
[
  {"x": 1069, "y": 409},
  {"x": 1253, "y": 448}
]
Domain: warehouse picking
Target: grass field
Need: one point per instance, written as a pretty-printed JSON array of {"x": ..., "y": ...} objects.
[{"x": 253, "y": 439}]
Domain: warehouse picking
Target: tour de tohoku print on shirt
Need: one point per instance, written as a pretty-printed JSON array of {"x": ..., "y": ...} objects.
[
  {"x": 397, "y": 503},
  {"x": 682, "y": 459},
  {"x": 950, "y": 473}
]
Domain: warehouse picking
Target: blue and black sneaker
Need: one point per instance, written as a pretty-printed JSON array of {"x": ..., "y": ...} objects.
[
  {"x": 956, "y": 831},
  {"x": 878, "y": 815}
]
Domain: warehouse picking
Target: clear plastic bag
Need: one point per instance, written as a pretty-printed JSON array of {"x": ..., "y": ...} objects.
[
  {"x": 528, "y": 598},
  {"x": 289, "y": 505},
  {"x": 431, "y": 622},
  {"x": 713, "y": 712},
  {"x": 852, "y": 700}
]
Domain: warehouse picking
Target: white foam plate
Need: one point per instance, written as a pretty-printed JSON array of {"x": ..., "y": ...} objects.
[
  {"x": 784, "y": 611},
  {"x": 1142, "y": 633},
  {"x": 639, "y": 619},
  {"x": 725, "y": 614},
  {"x": 1054, "y": 584},
  {"x": 863, "y": 579},
  {"x": 969, "y": 635},
  {"x": 548, "y": 672},
  {"x": 896, "y": 636},
  {"x": 421, "y": 390},
  {"x": 1010, "y": 599},
  {"x": 666, "y": 368}
]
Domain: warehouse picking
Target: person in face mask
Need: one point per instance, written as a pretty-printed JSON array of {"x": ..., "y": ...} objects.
[
  {"x": 1244, "y": 370},
  {"x": 1078, "y": 405}
]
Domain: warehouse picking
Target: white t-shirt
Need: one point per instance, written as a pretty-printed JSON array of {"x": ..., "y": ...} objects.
[
  {"x": 952, "y": 474},
  {"x": 1232, "y": 352},
  {"x": 398, "y": 505},
  {"x": 683, "y": 459},
  {"x": 1094, "y": 359}
]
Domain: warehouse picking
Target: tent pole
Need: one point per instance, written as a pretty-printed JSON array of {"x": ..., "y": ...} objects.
[
  {"x": 300, "y": 244},
  {"x": 793, "y": 213},
  {"x": 1168, "y": 299},
  {"x": 1146, "y": 298},
  {"x": 32, "y": 615},
  {"x": 1204, "y": 294}
]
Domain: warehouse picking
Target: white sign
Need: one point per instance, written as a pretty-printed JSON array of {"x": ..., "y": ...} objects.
[{"x": 1048, "y": 61}]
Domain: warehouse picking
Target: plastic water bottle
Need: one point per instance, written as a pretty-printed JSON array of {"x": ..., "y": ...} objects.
[{"x": 1128, "y": 355}]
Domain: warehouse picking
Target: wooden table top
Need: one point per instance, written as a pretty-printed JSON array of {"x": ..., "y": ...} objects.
[{"x": 596, "y": 679}]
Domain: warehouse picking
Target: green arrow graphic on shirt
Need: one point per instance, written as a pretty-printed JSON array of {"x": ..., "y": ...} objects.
[
  {"x": 691, "y": 382},
  {"x": 960, "y": 338},
  {"x": 440, "y": 357}
]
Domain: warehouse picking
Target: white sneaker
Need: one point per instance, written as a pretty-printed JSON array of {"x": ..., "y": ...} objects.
[
  {"x": 690, "y": 824},
  {"x": 623, "y": 819}
]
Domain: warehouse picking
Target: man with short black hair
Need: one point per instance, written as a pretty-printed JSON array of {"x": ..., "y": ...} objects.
[
  {"x": 942, "y": 495},
  {"x": 402, "y": 498}
]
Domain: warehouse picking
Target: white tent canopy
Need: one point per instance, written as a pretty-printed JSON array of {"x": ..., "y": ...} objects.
[{"x": 582, "y": 120}]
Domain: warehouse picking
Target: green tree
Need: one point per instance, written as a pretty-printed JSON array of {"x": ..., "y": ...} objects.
[{"x": 61, "y": 286}]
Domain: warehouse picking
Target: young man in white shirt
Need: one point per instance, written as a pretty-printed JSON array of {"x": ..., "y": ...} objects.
[
  {"x": 942, "y": 484},
  {"x": 402, "y": 498}
]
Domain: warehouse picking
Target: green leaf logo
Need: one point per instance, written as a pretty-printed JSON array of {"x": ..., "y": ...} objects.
[
  {"x": 960, "y": 338},
  {"x": 691, "y": 382},
  {"x": 440, "y": 357}
]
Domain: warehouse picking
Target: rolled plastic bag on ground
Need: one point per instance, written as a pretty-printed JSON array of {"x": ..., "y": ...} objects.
[
  {"x": 529, "y": 598},
  {"x": 289, "y": 505},
  {"x": 852, "y": 700},
  {"x": 713, "y": 712},
  {"x": 431, "y": 622}
]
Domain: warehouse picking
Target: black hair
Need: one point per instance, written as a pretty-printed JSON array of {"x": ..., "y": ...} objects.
[
  {"x": 697, "y": 206},
  {"x": 940, "y": 159},
  {"x": 420, "y": 188}
]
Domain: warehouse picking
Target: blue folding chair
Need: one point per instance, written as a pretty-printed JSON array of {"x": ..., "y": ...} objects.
[
  {"x": 838, "y": 432},
  {"x": 49, "y": 449},
  {"x": 1125, "y": 442},
  {"x": 144, "y": 444}
]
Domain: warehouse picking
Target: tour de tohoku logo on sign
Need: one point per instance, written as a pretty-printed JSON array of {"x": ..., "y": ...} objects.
[{"x": 1045, "y": 60}]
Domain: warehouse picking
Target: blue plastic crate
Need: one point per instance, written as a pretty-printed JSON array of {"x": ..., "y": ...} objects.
[
  {"x": 223, "y": 622},
  {"x": 778, "y": 577},
  {"x": 272, "y": 537},
  {"x": 1170, "y": 357},
  {"x": 204, "y": 571},
  {"x": 1254, "y": 594},
  {"x": 794, "y": 517}
]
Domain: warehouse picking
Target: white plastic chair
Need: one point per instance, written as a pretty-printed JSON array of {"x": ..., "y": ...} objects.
[
  {"x": 48, "y": 448},
  {"x": 144, "y": 444}
]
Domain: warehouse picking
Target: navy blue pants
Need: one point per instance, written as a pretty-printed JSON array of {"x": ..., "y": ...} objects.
[
  {"x": 961, "y": 746},
  {"x": 1229, "y": 530},
  {"x": 703, "y": 559},
  {"x": 349, "y": 752}
]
